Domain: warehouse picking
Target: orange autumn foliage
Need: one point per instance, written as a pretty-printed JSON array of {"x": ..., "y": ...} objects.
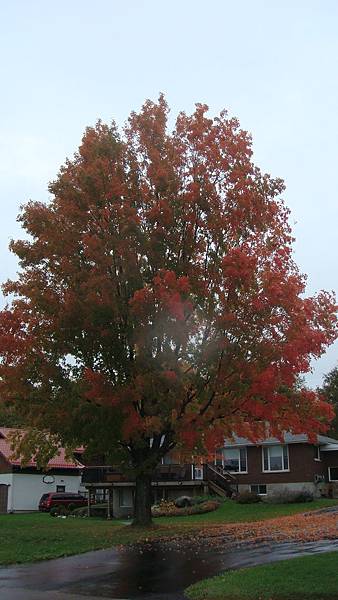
[{"x": 158, "y": 304}]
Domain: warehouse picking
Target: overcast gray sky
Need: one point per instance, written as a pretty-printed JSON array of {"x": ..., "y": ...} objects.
[{"x": 273, "y": 64}]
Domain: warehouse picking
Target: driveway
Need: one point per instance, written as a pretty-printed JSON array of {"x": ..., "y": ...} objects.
[{"x": 156, "y": 571}]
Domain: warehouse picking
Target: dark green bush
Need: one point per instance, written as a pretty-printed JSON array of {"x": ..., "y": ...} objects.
[
  {"x": 59, "y": 511},
  {"x": 286, "y": 496},
  {"x": 80, "y": 512},
  {"x": 96, "y": 510},
  {"x": 64, "y": 511},
  {"x": 183, "y": 501},
  {"x": 54, "y": 511},
  {"x": 248, "y": 498},
  {"x": 303, "y": 496}
]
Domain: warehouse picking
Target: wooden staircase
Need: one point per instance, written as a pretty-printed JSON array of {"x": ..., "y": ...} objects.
[{"x": 220, "y": 481}]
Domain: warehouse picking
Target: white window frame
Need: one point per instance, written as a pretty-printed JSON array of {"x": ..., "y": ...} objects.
[
  {"x": 329, "y": 470},
  {"x": 258, "y": 485},
  {"x": 197, "y": 470},
  {"x": 275, "y": 470},
  {"x": 239, "y": 459}
]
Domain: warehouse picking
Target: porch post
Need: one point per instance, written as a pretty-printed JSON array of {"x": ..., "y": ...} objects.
[
  {"x": 109, "y": 515},
  {"x": 89, "y": 498}
]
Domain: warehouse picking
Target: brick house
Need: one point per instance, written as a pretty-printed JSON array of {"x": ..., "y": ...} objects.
[
  {"x": 22, "y": 487},
  {"x": 295, "y": 464},
  {"x": 266, "y": 467}
]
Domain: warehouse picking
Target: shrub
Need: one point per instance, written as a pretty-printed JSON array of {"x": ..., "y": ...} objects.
[
  {"x": 59, "y": 511},
  {"x": 164, "y": 507},
  {"x": 54, "y": 511},
  {"x": 170, "y": 510},
  {"x": 204, "y": 507},
  {"x": 183, "y": 501},
  {"x": 303, "y": 496},
  {"x": 64, "y": 511},
  {"x": 99, "y": 510},
  {"x": 286, "y": 496},
  {"x": 96, "y": 510},
  {"x": 248, "y": 498},
  {"x": 71, "y": 507},
  {"x": 80, "y": 512}
]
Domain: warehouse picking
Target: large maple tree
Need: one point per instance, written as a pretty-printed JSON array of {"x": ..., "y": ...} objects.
[
  {"x": 329, "y": 390},
  {"x": 158, "y": 304}
]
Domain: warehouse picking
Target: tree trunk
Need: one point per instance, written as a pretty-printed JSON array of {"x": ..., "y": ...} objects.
[{"x": 142, "y": 502}]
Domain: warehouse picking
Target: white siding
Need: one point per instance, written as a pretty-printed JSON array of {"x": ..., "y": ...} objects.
[{"x": 27, "y": 488}]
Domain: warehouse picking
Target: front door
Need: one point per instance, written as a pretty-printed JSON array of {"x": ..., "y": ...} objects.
[{"x": 3, "y": 498}]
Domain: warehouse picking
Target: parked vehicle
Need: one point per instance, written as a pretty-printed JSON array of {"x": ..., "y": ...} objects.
[{"x": 47, "y": 501}]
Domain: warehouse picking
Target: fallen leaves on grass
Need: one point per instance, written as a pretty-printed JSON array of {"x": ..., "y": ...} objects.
[{"x": 307, "y": 527}]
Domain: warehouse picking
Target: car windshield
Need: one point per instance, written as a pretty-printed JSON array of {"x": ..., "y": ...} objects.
[{"x": 44, "y": 497}]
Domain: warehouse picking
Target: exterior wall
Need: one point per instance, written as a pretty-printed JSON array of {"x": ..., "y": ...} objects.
[
  {"x": 301, "y": 475},
  {"x": 302, "y": 467},
  {"x": 159, "y": 492},
  {"x": 329, "y": 459},
  {"x": 274, "y": 488},
  {"x": 122, "y": 512},
  {"x": 7, "y": 479},
  {"x": 27, "y": 489}
]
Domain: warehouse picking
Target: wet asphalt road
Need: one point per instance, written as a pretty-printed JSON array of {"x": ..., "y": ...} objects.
[{"x": 155, "y": 572}]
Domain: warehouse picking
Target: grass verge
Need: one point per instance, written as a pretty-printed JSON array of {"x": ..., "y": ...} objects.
[{"x": 304, "y": 578}]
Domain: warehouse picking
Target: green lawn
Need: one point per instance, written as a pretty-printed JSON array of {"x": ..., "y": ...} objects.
[
  {"x": 305, "y": 578},
  {"x": 37, "y": 536},
  {"x": 231, "y": 512},
  {"x": 32, "y": 537}
]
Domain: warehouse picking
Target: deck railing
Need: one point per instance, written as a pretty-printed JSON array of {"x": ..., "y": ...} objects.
[
  {"x": 103, "y": 474},
  {"x": 163, "y": 473},
  {"x": 222, "y": 478}
]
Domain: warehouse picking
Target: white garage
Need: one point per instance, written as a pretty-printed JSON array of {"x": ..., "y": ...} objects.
[{"x": 22, "y": 487}]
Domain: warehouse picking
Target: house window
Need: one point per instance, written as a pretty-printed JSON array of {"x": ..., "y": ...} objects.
[
  {"x": 197, "y": 472},
  {"x": 60, "y": 488},
  {"x": 317, "y": 452},
  {"x": 126, "y": 498},
  {"x": 219, "y": 458},
  {"x": 258, "y": 488},
  {"x": 275, "y": 458},
  {"x": 168, "y": 459},
  {"x": 235, "y": 460},
  {"x": 333, "y": 473}
]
